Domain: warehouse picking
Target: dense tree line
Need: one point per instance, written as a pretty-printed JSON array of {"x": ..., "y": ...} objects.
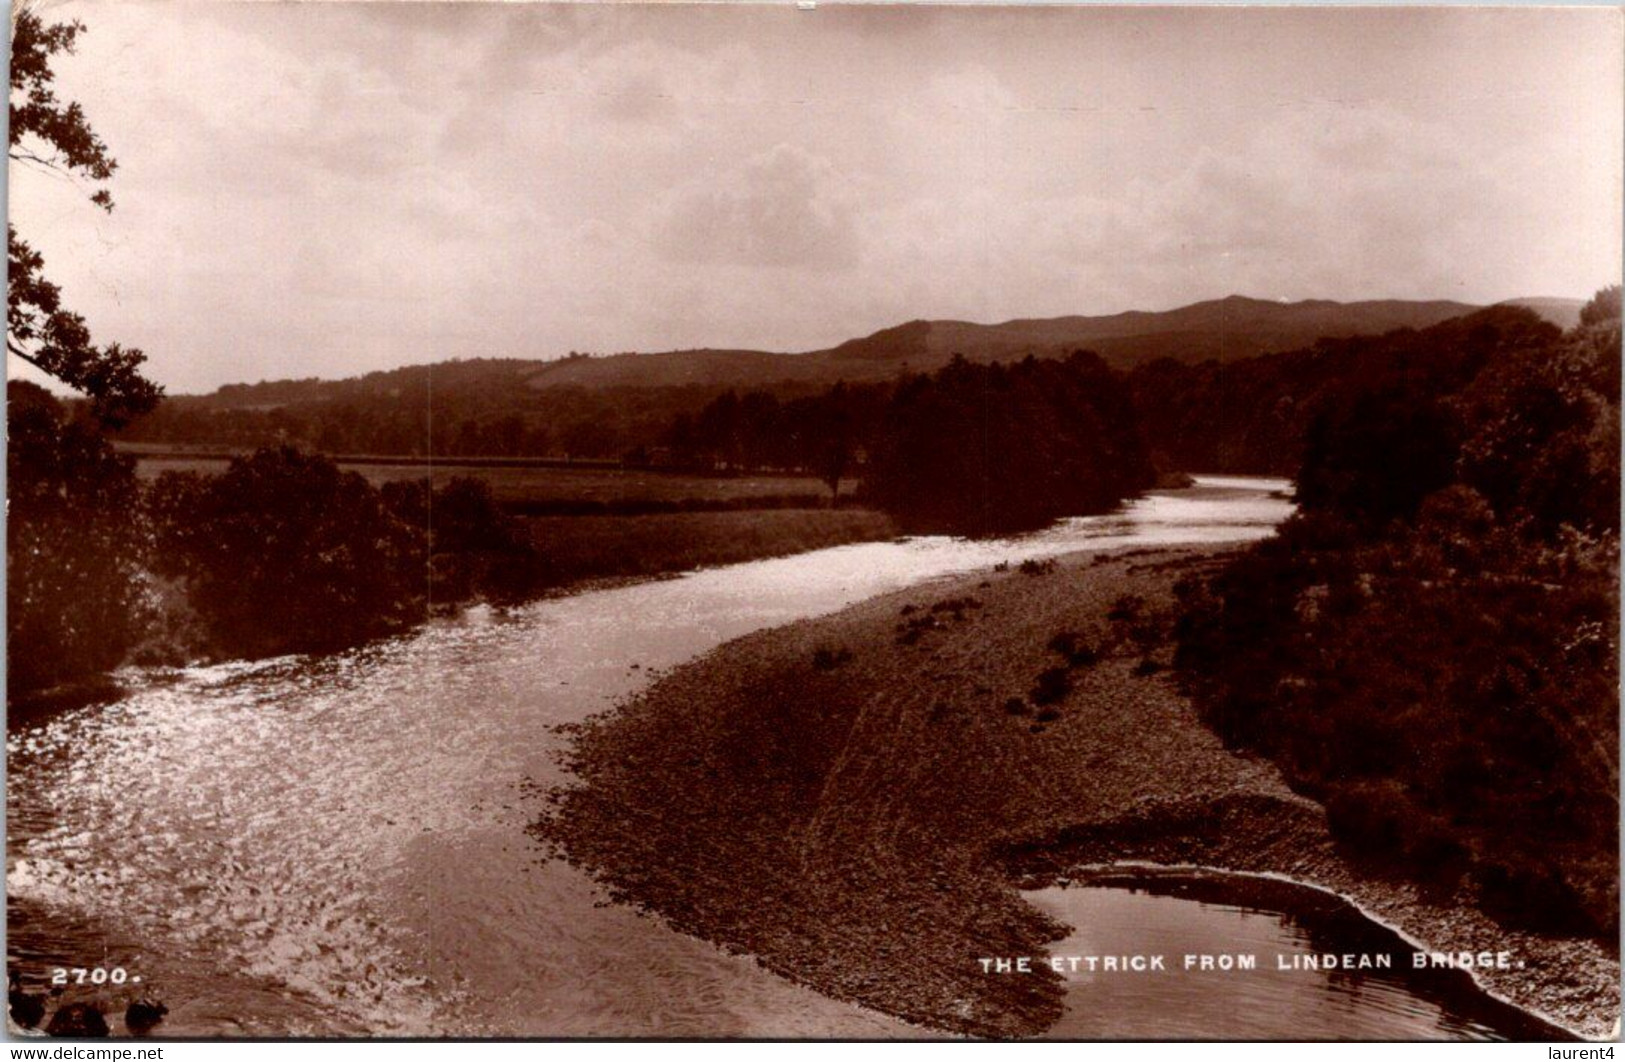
[
  {"x": 472, "y": 408},
  {"x": 826, "y": 435},
  {"x": 1430, "y": 644},
  {"x": 983, "y": 449},
  {"x": 1253, "y": 416},
  {"x": 1243, "y": 416},
  {"x": 971, "y": 448},
  {"x": 73, "y": 591}
]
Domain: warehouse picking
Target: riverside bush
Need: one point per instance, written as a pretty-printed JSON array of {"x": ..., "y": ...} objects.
[
  {"x": 990, "y": 449},
  {"x": 283, "y": 552},
  {"x": 1432, "y": 649},
  {"x": 76, "y": 599}
]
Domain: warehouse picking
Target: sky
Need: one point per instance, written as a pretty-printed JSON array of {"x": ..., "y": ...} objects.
[{"x": 327, "y": 189}]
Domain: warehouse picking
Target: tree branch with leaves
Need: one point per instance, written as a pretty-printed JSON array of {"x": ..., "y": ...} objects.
[{"x": 56, "y": 136}]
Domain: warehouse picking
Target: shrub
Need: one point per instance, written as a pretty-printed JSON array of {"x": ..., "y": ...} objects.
[
  {"x": 827, "y": 659},
  {"x": 1051, "y": 686},
  {"x": 957, "y": 606},
  {"x": 475, "y": 548},
  {"x": 1126, "y": 609},
  {"x": 1439, "y": 623},
  {"x": 284, "y": 553},
  {"x": 75, "y": 602},
  {"x": 1073, "y": 648},
  {"x": 1372, "y": 817},
  {"x": 1530, "y": 895}
]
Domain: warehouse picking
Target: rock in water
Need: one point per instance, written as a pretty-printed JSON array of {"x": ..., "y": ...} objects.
[
  {"x": 142, "y": 1014},
  {"x": 77, "y": 1020},
  {"x": 26, "y": 1010}
]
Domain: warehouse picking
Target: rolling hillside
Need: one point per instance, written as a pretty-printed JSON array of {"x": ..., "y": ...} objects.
[
  {"x": 1564, "y": 313},
  {"x": 1226, "y": 329},
  {"x": 603, "y": 407}
]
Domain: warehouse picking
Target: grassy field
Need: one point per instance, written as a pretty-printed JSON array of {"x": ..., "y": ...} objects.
[
  {"x": 572, "y": 491},
  {"x": 594, "y": 523},
  {"x": 583, "y": 548}
]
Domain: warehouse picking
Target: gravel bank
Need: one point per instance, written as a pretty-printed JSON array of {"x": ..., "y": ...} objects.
[{"x": 854, "y": 799}]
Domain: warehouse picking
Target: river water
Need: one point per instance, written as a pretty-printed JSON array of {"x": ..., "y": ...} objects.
[
  {"x": 1254, "y": 958},
  {"x": 336, "y": 845}
]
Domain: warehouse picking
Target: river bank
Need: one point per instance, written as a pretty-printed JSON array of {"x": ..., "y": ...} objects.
[
  {"x": 854, "y": 800},
  {"x": 579, "y": 554},
  {"x": 581, "y": 551}
]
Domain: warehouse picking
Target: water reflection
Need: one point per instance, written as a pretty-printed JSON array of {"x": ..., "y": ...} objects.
[
  {"x": 1299, "y": 942},
  {"x": 335, "y": 845}
]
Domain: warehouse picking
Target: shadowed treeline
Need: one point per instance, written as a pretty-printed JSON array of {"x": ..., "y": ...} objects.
[
  {"x": 285, "y": 552},
  {"x": 991, "y": 448},
  {"x": 281, "y": 553},
  {"x": 1430, "y": 645},
  {"x": 970, "y": 449}
]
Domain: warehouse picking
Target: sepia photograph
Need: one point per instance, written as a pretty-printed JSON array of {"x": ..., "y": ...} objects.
[{"x": 812, "y": 521}]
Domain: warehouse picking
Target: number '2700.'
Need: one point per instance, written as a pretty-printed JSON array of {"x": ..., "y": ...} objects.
[{"x": 95, "y": 975}]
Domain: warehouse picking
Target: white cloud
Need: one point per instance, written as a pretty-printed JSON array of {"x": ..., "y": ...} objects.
[{"x": 781, "y": 208}]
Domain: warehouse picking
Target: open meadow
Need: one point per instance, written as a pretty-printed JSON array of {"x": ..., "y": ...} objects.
[{"x": 563, "y": 490}]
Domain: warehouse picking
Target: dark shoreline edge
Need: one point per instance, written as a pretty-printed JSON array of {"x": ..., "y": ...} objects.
[
  {"x": 33, "y": 707},
  {"x": 707, "y": 770},
  {"x": 1272, "y": 891}
]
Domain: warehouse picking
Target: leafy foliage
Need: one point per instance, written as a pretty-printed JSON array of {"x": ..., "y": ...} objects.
[
  {"x": 37, "y": 116},
  {"x": 1430, "y": 645},
  {"x": 467, "y": 546},
  {"x": 56, "y": 136},
  {"x": 74, "y": 593},
  {"x": 823, "y": 434},
  {"x": 286, "y": 553},
  {"x": 984, "y": 449},
  {"x": 1602, "y": 309},
  {"x": 57, "y": 342},
  {"x": 1258, "y": 415}
]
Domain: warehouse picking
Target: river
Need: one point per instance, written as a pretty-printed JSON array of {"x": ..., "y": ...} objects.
[
  {"x": 336, "y": 846},
  {"x": 1254, "y": 958}
]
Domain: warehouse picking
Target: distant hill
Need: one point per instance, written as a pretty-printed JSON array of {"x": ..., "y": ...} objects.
[
  {"x": 1225, "y": 329},
  {"x": 603, "y": 407},
  {"x": 1564, "y": 313}
]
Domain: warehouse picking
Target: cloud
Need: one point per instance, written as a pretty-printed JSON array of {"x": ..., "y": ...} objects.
[
  {"x": 333, "y": 188},
  {"x": 782, "y": 208},
  {"x": 972, "y": 89}
]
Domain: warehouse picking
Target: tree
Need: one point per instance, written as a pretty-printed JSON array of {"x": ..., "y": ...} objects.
[
  {"x": 1375, "y": 455},
  {"x": 1603, "y": 307},
  {"x": 73, "y": 588},
  {"x": 994, "y": 449},
  {"x": 1430, "y": 645},
  {"x": 468, "y": 546},
  {"x": 284, "y": 553},
  {"x": 835, "y": 449},
  {"x": 56, "y": 137}
]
